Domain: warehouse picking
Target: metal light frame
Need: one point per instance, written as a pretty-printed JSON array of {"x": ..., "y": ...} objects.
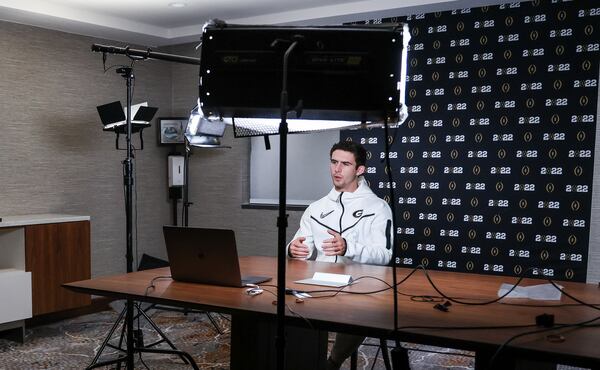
[{"x": 285, "y": 44}]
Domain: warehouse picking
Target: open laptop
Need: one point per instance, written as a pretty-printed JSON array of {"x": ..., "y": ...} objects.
[{"x": 207, "y": 256}]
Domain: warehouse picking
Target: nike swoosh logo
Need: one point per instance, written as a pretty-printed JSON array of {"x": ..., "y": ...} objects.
[{"x": 323, "y": 215}]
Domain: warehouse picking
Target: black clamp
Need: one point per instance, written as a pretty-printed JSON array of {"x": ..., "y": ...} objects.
[
  {"x": 546, "y": 320},
  {"x": 443, "y": 307}
]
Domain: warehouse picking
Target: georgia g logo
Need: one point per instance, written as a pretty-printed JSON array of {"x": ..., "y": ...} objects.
[{"x": 358, "y": 213}]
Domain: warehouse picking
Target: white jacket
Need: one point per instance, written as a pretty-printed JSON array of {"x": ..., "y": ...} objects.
[{"x": 362, "y": 219}]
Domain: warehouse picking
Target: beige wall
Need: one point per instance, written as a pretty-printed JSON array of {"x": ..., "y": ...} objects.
[
  {"x": 56, "y": 158},
  {"x": 219, "y": 177}
]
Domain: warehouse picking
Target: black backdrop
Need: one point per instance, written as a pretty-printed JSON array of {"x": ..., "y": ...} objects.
[{"x": 493, "y": 169}]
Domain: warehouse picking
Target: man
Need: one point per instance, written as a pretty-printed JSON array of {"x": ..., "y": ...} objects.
[{"x": 348, "y": 225}]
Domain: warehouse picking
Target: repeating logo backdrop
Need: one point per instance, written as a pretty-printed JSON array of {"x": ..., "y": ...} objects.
[{"x": 493, "y": 168}]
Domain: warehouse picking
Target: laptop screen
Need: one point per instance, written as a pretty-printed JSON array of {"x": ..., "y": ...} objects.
[{"x": 207, "y": 256}]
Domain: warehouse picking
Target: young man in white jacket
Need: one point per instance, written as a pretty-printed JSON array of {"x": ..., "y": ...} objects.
[{"x": 348, "y": 225}]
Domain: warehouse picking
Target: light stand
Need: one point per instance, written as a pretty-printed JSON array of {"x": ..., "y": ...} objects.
[
  {"x": 399, "y": 354},
  {"x": 186, "y": 205},
  {"x": 282, "y": 218},
  {"x": 349, "y": 74},
  {"x": 186, "y": 181},
  {"x": 128, "y": 75}
]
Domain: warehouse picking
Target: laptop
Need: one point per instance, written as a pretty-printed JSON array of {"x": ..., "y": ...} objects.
[{"x": 206, "y": 256}]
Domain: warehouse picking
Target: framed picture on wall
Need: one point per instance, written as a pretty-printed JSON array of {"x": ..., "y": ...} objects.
[{"x": 171, "y": 130}]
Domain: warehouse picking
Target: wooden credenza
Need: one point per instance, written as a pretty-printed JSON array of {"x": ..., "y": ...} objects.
[
  {"x": 38, "y": 253},
  {"x": 57, "y": 253}
]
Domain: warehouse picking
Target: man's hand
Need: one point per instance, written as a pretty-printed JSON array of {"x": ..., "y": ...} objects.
[
  {"x": 335, "y": 246},
  {"x": 298, "y": 249}
]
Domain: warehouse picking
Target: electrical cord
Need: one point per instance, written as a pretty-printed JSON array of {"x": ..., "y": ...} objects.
[
  {"x": 310, "y": 325},
  {"x": 572, "y": 297},
  {"x": 546, "y": 305},
  {"x": 521, "y": 277},
  {"x": 461, "y": 301},
  {"x": 515, "y": 285},
  {"x": 556, "y": 327},
  {"x": 442, "y": 296},
  {"x": 427, "y": 298},
  {"x": 341, "y": 289},
  {"x": 440, "y": 352},
  {"x": 417, "y": 349},
  {"x": 142, "y": 361},
  {"x": 151, "y": 284}
]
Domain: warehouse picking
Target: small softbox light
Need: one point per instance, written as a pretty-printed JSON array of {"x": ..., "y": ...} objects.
[
  {"x": 111, "y": 113},
  {"x": 114, "y": 118}
]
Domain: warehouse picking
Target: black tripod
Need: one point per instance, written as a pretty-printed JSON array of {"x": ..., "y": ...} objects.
[{"x": 127, "y": 313}]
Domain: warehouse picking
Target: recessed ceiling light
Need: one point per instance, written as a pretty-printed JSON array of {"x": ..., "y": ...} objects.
[{"x": 177, "y": 4}]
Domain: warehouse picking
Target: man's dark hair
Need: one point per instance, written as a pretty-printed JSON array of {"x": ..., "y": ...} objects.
[{"x": 360, "y": 153}]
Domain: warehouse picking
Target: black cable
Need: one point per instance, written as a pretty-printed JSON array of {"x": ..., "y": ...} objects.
[
  {"x": 151, "y": 284},
  {"x": 114, "y": 66},
  {"x": 473, "y": 303},
  {"x": 104, "y": 69},
  {"x": 459, "y": 300},
  {"x": 547, "y": 305},
  {"x": 572, "y": 297},
  {"x": 558, "y": 327},
  {"x": 455, "y": 300},
  {"x": 418, "y": 349},
  {"x": 310, "y": 325},
  {"x": 142, "y": 360},
  {"x": 340, "y": 290},
  {"x": 482, "y": 327},
  {"x": 438, "y": 352}
]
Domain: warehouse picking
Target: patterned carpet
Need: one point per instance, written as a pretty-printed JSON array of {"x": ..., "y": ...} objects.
[{"x": 72, "y": 344}]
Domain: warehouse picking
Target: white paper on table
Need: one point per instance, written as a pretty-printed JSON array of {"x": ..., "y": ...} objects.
[{"x": 545, "y": 292}]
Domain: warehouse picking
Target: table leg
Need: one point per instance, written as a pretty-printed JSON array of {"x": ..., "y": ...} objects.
[{"x": 253, "y": 345}]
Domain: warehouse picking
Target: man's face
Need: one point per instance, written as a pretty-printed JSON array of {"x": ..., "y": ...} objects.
[{"x": 344, "y": 172}]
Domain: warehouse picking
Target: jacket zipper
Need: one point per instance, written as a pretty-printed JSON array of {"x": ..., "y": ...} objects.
[{"x": 341, "y": 216}]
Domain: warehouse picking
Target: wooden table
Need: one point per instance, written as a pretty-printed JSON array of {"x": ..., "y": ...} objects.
[{"x": 463, "y": 326}]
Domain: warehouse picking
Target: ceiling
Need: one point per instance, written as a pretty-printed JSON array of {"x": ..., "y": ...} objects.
[{"x": 156, "y": 23}]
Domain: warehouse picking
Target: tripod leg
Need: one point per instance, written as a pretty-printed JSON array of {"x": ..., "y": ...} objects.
[
  {"x": 120, "y": 346},
  {"x": 214, "y": 322},
  {"x": 105, "y": 342},
  {"x": 188, "y": 358},
  {"x": 385, "y": 354},
  {"x": 163, "y": 336},
  {"x": 129, "y": 323}
]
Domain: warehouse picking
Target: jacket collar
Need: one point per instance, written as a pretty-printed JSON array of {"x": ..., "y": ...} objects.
[{"x": 362, "y": 191}]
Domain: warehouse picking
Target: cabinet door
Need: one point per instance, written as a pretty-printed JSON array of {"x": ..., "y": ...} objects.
[{"x": 56, "y": 254}]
